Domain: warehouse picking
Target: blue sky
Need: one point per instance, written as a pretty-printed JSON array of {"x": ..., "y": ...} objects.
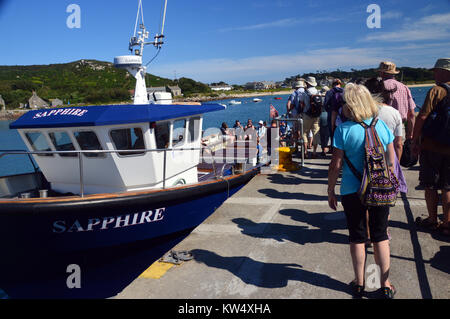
[{"x": 235, "y": 41}]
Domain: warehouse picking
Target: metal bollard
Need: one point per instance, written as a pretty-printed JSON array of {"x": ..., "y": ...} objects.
[{"x": 43, "y": 193}]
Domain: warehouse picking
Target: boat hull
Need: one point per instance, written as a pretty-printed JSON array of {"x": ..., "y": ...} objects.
[{"x": 35, "y": 232}]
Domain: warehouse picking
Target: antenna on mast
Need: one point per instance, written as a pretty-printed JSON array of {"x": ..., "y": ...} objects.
[
  {"x": 133, "y": 63},
  {"x": 157, "y": 42}
]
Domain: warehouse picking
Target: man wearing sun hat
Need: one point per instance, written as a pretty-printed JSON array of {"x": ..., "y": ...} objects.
[
  {"x": 261, "y": 129},
  {"x": 291, "y": 106},
  {"x": 400, "y": 95},
  {"x": 434, "y": 171}
]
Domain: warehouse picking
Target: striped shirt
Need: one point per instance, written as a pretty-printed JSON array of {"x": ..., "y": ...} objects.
[{"x": 401, "y": 99}]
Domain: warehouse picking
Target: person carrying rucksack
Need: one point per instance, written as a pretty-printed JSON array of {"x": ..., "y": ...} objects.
[
  {"x": 432, "y": 138},
  {"x": 292, "y": 106},
  {"x": 363, "y": 141},
  {"x": 310, "y": 104},
  {"x": 335, "y": 103}
]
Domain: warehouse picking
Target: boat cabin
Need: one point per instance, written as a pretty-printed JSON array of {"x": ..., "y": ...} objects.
[{"x": 131, "y": 147}]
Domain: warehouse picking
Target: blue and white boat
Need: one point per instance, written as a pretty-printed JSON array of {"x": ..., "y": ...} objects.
[{"x": 113, "y": 174}]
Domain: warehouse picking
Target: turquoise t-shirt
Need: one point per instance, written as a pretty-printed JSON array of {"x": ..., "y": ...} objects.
[{"x": 350, "y": 137}]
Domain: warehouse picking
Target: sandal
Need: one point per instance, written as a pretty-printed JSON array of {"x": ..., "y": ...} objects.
[
  {"x": 357, "y": 290},
  {"x": 388, "y": 292},
  {"x": 426, "y": 223}
]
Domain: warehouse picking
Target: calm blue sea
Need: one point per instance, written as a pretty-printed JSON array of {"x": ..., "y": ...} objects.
[{"x": 16, "y": 164}]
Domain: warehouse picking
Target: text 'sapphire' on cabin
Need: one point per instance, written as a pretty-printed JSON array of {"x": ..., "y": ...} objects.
[{"x": 73, "y": 112}]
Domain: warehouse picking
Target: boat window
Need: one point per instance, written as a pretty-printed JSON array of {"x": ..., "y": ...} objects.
[
  {"x": 194, "y": 129},
  {"x": 88, "y": 141},
  {"x": 128, "y": 139},
  {"x": 179, "y": 132},
  {"x": 62, "y": 142},
  {"x": 162, "y": 135},
  {"x": 38, "y": 142}
]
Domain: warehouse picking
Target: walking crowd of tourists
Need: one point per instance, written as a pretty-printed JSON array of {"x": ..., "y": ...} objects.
[
  {"x": 374, "y": 130},
  {"x": 371, "y": 129}
]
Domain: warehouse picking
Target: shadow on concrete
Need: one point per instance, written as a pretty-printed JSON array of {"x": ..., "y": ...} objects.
[
  {"x": 297, "y": 234},
  {"x": 293, "y": 180},
  {"x": 399, "y": 224},
  {"x": 441, "y": 260},
  {"x": 273, "y": 193},
  {"x": 435, "y": 234},
  {"x": 325, "y": 221},
  {"x": 417, "y": 250},
  {"x": 313, "y": 172},
  {"x": 266, "y": 275}
]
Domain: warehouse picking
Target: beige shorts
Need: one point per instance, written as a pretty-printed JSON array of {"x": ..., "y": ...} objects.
[{"x": 311, "y": 123}]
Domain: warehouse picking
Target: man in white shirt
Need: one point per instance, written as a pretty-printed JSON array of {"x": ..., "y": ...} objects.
[
  {"x": 393, "y": 120},
  {"x": 261, "y": 129},
  {"x": 388, "y": 114}
]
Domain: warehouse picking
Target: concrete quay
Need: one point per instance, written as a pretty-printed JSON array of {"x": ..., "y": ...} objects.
[{"x": 278, "y": 239}]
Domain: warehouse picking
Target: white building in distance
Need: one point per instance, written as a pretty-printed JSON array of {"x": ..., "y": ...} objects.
[{"x": 221, "y": 88}]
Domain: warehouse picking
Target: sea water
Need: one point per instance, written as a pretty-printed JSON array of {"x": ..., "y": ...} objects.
[{"x": 17, "y": 164}]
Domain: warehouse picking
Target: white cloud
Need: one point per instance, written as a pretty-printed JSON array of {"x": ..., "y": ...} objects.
[
  {"x": 288, "y": 22},
  {"x": 433, "y": 27},
  {"x": 409, "y": 35},
  {"x": 439, "y": 19},
  {"x": 262, "y": 67},
  {"x": 278, "y": 67},
  {"x": 280, "y": 23}
]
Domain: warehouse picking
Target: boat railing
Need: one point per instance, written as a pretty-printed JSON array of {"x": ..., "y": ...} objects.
[{"x": 81, "y": 152}]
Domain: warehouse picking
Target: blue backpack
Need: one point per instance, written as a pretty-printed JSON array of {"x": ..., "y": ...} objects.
[{"x": 437, "y": 124}]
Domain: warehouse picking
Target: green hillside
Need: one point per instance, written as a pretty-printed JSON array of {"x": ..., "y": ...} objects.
[{"x": 84, "y": 81}]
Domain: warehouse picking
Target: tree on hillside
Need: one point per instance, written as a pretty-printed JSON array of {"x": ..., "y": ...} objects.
[{"x": 189, "y": 86}]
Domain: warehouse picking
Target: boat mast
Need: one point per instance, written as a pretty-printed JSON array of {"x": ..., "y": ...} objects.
[{"x": 133, "y": 63}]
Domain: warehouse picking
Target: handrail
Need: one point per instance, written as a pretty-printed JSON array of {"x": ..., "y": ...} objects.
[{"x": 80, "y": 158}]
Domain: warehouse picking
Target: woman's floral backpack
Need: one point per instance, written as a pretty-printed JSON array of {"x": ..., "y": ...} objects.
[{"x": 379, "y": 185}]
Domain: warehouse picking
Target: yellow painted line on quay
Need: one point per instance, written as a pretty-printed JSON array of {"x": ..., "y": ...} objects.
[{"x": 156, "y": 270}]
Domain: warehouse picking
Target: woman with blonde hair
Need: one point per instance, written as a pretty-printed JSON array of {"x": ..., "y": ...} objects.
[{"x": 349, "y": 139}]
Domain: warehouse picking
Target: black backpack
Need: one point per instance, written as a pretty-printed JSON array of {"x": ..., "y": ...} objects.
[
  {"x": 408, "y": 159},
  {"x": 437, "y": 124},
  {"x": 337, "y": 102},
  {"x": 316, "y": 105}
]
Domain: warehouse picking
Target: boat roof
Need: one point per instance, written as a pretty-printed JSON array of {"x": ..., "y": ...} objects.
[{"x": 101, "y": 115}]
